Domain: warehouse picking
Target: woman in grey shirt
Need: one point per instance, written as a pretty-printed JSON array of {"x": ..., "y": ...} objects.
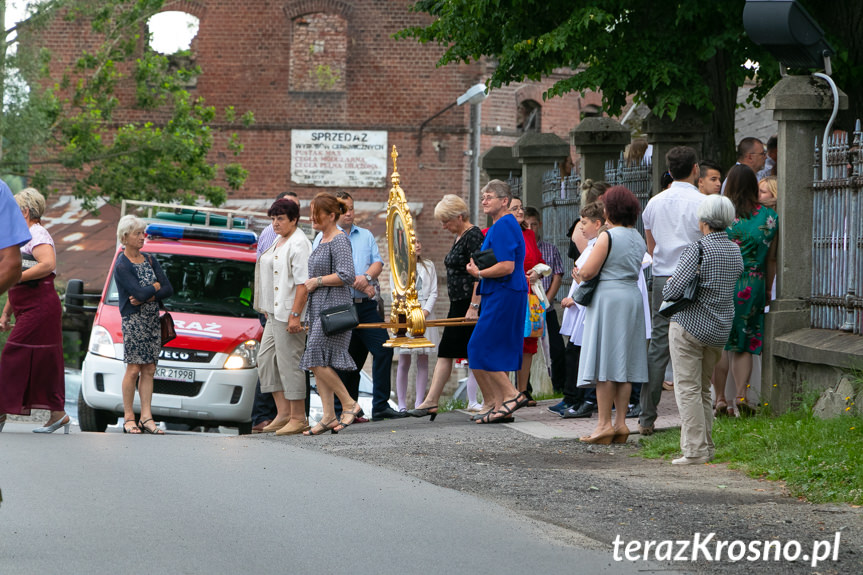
[{"x": 697, "y": 333}]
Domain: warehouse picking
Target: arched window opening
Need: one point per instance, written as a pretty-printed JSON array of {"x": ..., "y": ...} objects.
[
  {"x": 528, "y": 116},
  {"x": 172, "y": 32},
  {"x": 319, "y": 48}
]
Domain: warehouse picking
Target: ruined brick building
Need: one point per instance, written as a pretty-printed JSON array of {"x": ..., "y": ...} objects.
[{"x": 332, "y": 66}]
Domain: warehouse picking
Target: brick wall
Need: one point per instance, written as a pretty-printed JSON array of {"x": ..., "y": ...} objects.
[{"x": 263, "y": 56}]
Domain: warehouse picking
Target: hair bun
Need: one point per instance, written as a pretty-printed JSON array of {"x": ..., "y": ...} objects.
[
  {"x": 343, "y": 205},
  {"x": 587, "y": 184}
]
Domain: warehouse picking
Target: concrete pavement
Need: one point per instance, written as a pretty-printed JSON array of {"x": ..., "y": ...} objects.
[{"x": 205, "y": 503}]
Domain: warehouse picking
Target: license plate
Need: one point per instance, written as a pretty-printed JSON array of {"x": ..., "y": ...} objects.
[{"x": 174, "y": 374}]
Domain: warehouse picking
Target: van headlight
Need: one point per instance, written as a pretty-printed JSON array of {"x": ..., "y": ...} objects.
[
  {"x": 101, "y": 342},
  {"x": 244, "y": 357}
]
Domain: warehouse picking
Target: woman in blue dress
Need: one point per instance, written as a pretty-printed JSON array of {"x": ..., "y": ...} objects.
[{"x": 496, "y": 344}]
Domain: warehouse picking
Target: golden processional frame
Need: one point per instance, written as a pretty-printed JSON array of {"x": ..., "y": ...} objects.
[{"x": 407, "y": 320}]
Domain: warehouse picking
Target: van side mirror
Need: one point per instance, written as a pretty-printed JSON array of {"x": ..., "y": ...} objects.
[{"x": 75, "y": 298}]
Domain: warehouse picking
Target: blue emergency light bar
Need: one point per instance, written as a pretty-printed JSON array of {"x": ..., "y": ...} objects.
[{"x": 189, "y": 233}]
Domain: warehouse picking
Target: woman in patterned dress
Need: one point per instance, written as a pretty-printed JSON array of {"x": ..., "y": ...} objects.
[
  {"x": 331, "y": 273},
  {"x": 141, "y": 285},
  {"x": 754, "y": 229},
  {"x": 31, "y": 366}
]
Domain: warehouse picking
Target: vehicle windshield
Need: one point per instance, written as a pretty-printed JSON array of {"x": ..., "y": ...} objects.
[{"x": 207, "y": 286}]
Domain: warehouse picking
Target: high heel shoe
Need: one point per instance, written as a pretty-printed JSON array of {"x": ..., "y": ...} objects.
[
  {"x": 65, "y": 422},
  {"x": 620, "y": 436},
  {"x": 322, "y": 428},
  {"x": 601, "y": 439},
  {"x": 424, "y": 412},
  {"x": 356, "y": 412},
  {"x": 152, "y": 431}
]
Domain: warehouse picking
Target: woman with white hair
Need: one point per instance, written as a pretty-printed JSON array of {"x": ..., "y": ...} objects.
[
  {"x": 31, "y": 366},
  {"x": 453, "y": 214},
  {"x": 141, "y": 285},
  {"x": 697, "y": 333}
]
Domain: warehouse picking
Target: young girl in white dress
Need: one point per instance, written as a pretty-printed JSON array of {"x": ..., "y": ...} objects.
[{"x": 426, "y": 287}]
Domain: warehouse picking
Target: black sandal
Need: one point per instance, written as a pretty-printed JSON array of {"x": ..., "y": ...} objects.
[
  {"x": 519, "y": 400},
  {"x": 486, "y": 417},
  {"x": 356, "y": 412},
  {"x": 134, "y": 430},
  {"x": 322, "y": 428},
  {"x": 145, "y": 429}
]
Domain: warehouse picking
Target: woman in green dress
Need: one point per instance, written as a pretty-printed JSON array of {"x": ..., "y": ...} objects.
[{"x": 754, "y": 230}]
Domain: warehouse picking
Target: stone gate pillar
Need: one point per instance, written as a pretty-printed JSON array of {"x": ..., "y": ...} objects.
[
  {"x": 802, "y": 106},
  {"x": 498, "y": 163},
  {"x": 596, "y": 141},
  {"x": 687, "y": 129},
  {"x": 537, "y": 153}
]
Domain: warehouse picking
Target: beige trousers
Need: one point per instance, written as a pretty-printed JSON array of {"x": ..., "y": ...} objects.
[
  {"x": 693, "y": 363},
  {"x": 279, "y": 360}
]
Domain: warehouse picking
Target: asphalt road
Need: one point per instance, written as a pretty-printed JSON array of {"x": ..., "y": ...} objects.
[{"x": 201, "y": 503}]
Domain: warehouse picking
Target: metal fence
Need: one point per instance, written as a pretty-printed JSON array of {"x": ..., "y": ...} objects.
[
  {"x": 837, "y": 229},
  {"x": 561, "y": 205},
  {"x": 514, "y": 183},
  {"x": 637, "y": 178}
]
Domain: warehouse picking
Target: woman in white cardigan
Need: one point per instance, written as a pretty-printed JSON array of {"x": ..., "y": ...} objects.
[
  {"x": 280, "y": 293},
  {"x": 426, "y": 287}
]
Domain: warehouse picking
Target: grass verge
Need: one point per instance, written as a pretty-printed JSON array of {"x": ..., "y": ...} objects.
[{"x": 818, "y": 459}]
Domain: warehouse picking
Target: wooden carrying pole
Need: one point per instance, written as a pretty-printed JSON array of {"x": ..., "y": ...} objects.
[{"x": 450, "y": 321}]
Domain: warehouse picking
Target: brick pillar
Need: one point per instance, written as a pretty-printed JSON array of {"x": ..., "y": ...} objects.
[
  {"x": 802, "y": 106},
  {"x": 687, "y": 129},
  {"x": 537, "y": 153},
  {"x": 498, "y": 163},
  {"x": 598, "y": 140}
]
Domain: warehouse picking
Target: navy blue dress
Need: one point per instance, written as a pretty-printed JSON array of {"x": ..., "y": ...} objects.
[{"x": 496, "y": 343}]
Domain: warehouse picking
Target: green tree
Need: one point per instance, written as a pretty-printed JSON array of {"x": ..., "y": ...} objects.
[
  {"x": 62, "y": 129},
  {"x": 665, "y": 54}
]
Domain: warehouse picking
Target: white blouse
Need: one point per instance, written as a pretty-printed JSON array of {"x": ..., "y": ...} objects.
[{"x": 282, "y": 267}]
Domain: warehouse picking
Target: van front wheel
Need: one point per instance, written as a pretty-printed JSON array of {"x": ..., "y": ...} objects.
[{"x": 90, "y": 419}]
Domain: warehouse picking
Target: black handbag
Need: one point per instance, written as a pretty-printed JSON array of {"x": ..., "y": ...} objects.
[
  {"x": 669, "y": 308},
  {"x": 484, "y": 259},
  {"x": 340, "y": 318},
  {"x": 584, "y": 293}
]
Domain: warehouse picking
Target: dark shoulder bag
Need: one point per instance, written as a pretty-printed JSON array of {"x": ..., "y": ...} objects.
[
  {"x": 339, "y": 318},
  {"x": 584, "y": 293},
  {"x": 669, "y": 308},
  {"x": 166, "y": 322}
]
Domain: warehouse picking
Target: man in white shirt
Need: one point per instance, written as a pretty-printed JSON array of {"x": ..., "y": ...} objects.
[{"x": 670, "y": 224}]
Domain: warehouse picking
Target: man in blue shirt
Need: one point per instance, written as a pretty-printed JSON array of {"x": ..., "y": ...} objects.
[
  {"x": 368, "y": 266},
  {"x": 13, "y": 234}
]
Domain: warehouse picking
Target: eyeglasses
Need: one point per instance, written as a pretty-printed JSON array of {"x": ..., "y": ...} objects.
[
  {"x": 488, "y": 198},
  {"x": 517, "y": 209}
]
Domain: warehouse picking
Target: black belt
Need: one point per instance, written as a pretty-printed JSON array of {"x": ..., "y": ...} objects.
[{"x": 361, "y": 299}]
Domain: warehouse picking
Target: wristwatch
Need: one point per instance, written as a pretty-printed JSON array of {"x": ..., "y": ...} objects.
[
  {"x": 369, "y": 278},
  {"x": 474, "y": 305},
  {"x": 295, "y": 314}
]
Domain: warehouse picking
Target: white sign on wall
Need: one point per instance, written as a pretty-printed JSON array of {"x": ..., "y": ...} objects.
[{"x": 339, "y": 158}]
